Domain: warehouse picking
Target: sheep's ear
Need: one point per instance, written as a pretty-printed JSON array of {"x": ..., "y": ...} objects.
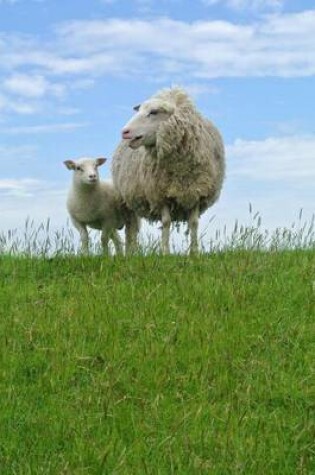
[
  {"x": 70, "y": 164},
  {"x": 100, "y": 161},
  {"x": 136, "y": 108},
  {"x": 166, "y": 107}
]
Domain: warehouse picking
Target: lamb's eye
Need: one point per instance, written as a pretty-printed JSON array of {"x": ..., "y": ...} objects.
[
  {"x": 154, "y": 112},
  {"x": 80, "y": 169}
]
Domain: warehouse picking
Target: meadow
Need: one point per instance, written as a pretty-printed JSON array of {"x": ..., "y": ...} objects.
[{"x": 155, "y": 364}]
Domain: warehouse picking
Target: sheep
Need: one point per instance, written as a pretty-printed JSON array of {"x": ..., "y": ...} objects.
[
  {"x": 170, "y": 164},
  {"x": 94, "y": 203}
]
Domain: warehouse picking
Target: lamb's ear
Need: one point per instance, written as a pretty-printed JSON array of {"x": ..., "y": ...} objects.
[
  {"x": 70, "y": 164},
  {"x": 100, "y": 161},
  {"x": 137, "y": 107}
]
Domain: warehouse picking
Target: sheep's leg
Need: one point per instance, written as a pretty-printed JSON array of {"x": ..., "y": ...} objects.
[
  {"x": 84, "y": 236},
  {"x": 132, "y": 229},
  {"x": 117, "y": 242},
  {"x": 193, "y": 222},
  {"x": 166, "y": 227},
  {"x": 104, "y": 240}
]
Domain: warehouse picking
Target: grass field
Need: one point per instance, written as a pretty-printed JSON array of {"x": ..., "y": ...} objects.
[{"x": 158, "y": 365}]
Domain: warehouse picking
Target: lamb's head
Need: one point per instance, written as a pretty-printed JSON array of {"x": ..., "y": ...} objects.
[
  {"x": 85, "y": 170},
  {"x": 143, "y": 128}
]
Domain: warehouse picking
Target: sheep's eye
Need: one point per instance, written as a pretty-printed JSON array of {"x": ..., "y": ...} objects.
[
  {"x": 79, "y": 169},
  {"x": 154, "y": 112}
]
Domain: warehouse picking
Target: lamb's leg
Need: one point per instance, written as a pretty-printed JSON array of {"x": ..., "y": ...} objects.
[
  {"x": 132, "y": 229},
  {"x": 166, "y": 226},
  {"x": 104, "y": 240},
  {"x": 117, "y": 242},
  {"x": 81, "y": 228},
  {"x": 193, "y": 222}
]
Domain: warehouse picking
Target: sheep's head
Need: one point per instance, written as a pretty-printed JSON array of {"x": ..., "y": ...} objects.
[
  {"x": 142, "y": 129},
  {"x": 85, "y": 170}
]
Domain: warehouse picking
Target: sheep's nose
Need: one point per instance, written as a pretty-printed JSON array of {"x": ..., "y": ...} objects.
[
  {"x": 92, "y": 176},
  {"x": 126, "y": 134}
]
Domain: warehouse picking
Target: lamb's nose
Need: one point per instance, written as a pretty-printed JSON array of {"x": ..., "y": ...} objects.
[
  {"x": 126, "y": 134},
  {"x": 92, "y": 177}
]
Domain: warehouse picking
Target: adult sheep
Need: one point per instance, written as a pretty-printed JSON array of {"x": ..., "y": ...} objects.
[{"x": 170, "y": 164}]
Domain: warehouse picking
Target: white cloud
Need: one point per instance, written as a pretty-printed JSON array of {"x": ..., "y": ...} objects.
[
  {"x": 23, "y": 94},
  {"x": 9, "y": 2},
  {"x": 32, "y": 86},
  {"x": 249, "y": 4},
  {"x": 197, "y": 89},
  {"x": 27, "y": 94},
  {"x": 36, "y": 199},
  {"x": 43, "y": 128},
  {"x": 277, "y": 45},
  {"x": 13, "y": 2},
  {"x": 280, "y": 45},
  {"x": 17, "y": 153},
  {"x": 19, "y": 187},
  {"x": 290, "y": 159},
  {"x": 17, "y": 106}
]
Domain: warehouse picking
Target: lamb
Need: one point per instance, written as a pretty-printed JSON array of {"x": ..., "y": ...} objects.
[
  {"x": 94, "y": 203},
  {"x": 170, "y": 165}
]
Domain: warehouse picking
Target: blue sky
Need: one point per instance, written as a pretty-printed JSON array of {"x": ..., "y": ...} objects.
[{"x": 71, "y": 71}]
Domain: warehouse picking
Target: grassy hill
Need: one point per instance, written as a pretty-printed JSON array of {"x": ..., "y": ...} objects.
[{"x": 158, "y": 365}]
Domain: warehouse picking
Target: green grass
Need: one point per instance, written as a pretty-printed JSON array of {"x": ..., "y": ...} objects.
[{"x": 158, "y": 365}]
